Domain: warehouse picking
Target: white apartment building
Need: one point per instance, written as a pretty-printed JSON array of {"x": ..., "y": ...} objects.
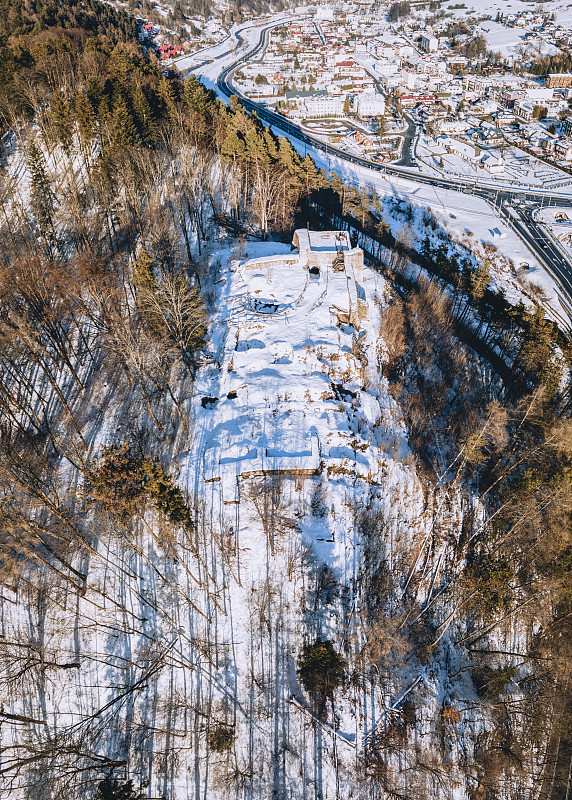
[
  {"x": 564, "y": 149},
  {"x": 407, "y": 79},
  {"x": 348, "y": 68},
  {"x": 406, "y": 51},
  {"x": 385, "y": 51},
  {"x": 370, "y": 105},
  {"x": 330, "y": 106},
  {"x": 429, "y": 43},
  {"x": 390, "y": 82},
  {"x": 524, "y": 109},
  {"x": 476, "y": 83},
  {"x": 427, "y": 66},
  {"x": 316, "y": 104},
  {"x": 386, "y": 68}
]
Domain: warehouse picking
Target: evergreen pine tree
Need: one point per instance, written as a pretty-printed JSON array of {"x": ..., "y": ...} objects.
[
  {"x": 110, "y": 789},
  {"x": 271, "y": 143},
  {"x": 84, "y": 116},
  {"x": 311, "y": 174},
  {"x": 197, "y": 98},
  {"x": 479, "y": 280},
  {"x": 120, "y": 67},
  {"x": 143, "y": 278},
  {"x": 256, "y": 148},
  {"x": 42, "y": 195},
  {"x": 233, "y": 147},
  {"x": 146, "y": 123},
  {"x": 60, "y": 113},
  {"x": 167, "y": 97},
  {"x": 381, "y": 127},
  {"x": 320, "y": 670},
  {"x": 168, "y": 497},
  {"x": 122, "y": 127}
]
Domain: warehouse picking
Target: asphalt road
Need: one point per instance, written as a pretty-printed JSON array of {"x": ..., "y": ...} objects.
[
  {"x": 406, "y": 159},
  {"x": 515, "y": 205}
]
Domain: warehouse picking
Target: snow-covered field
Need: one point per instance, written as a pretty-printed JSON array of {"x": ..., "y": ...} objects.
[
  {"x": 511, "y": 44},
  {"x": 485, "y": 8}
]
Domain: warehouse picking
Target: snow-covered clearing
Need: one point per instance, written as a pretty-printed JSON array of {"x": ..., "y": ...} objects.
[
  {"x": 511, "y": 42},
  {"x": 485, "y": 8}
]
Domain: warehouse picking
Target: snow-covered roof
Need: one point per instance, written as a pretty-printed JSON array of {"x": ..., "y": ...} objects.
[{"x": 321, "y": 240}]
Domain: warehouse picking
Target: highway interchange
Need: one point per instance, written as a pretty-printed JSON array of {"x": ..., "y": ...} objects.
[{"x": 515, "y": 205}]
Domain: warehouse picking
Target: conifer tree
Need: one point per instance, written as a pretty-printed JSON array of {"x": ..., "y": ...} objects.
[
  {"x": 122, "y": 125},
  {"x": 120, "y": 67},
  {"x": 233, "y": 147},
  {"x": 311, "y": 175},
  {"x": 84, "y": 117},
  {"x": 270, "y": 143},
  {"x": 42, "y": 195},
  {"x": 143, "y": 278},
  {"x": 146, "y": 123},
  {"x": 479, "y": 280},
  {"x": 167, "y": 97},
  {"x": 61, "y": 118},
  {"x": 196, "y": 98},
  {"x": 320, "y": 670},
  {"x": 111, "y": 789},
  {"x": 256, "y": 147}
]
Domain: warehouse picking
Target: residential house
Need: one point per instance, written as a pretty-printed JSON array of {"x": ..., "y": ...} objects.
[
  {"x": 493, "y": 161},
  {"x": 563, "y": 149},
  {"x": 558, "y": 80}
]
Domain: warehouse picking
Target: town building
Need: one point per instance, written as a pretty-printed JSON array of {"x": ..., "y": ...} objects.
[
  {"x": 566, "y": 126},
  {"x": 563, "y": 149},
  {"x": 558, "y": 80},
  {"x": 316, "y": 103},
  {"x": 429, "y": 43},
  {"x": 370, "y": 105}
]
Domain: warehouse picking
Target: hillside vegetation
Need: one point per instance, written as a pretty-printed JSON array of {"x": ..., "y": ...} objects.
[
  {"x": 49, "y": 45},
  {"x": 126, "y": 197}
]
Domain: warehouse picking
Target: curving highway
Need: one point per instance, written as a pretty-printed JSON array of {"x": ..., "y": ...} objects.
[{"x": 515, "y": 205}]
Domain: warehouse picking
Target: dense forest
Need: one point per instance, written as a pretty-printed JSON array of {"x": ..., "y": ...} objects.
[
  {"x": 562, "y": 62},
  {"x": 45, "y": 45},
  {"x": 120, "y": 183}
]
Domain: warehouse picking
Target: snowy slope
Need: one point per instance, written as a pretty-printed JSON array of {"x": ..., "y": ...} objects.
[{"x": 309, "y": 511}]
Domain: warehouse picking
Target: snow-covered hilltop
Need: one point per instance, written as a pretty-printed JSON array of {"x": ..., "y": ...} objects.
[
  {"x": 294, "y": 385},
  {"x": 176, "y": 660}
]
